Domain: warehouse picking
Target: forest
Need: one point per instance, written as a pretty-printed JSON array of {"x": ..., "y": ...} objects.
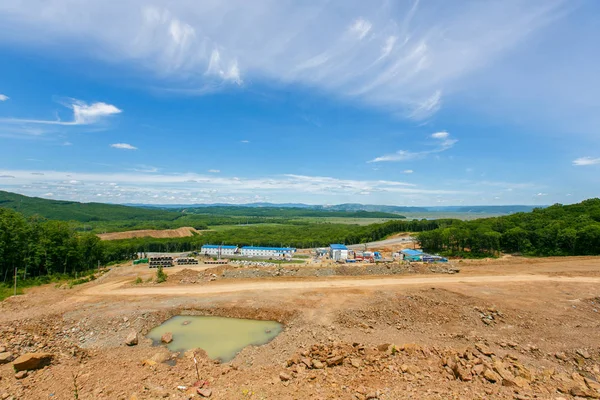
[{"x": 558, "y": 230}]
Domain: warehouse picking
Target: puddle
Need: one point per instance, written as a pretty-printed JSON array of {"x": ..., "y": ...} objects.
[{"x": 222, "y": 338}]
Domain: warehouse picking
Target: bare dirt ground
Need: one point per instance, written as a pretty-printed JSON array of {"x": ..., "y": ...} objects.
[
  {"x": 161, "y": 233},
  {"x": 512, "y": 328}
]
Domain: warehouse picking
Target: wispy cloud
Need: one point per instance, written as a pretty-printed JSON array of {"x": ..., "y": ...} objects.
[
  {"x": 582, "y": 161},
  {"x": 3, "y": 97},
  {"x": 192, "y": 187},
  {"x": 441, "y": 141},
  {"x": 408, "y": 171},
  {"x": 244, "y": 141},
  {"x": 400, "y": 56},
  {"x": 361, "y": 28},
  {"x": 83, "y": 114},
  {"x": 123, "y": 146},
  {"x": 214, "y": 171}
]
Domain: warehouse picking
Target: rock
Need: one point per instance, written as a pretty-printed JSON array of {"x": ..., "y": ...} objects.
[
  {"x": 204, "y": 392},
  {"x": 167, "y": 337},
  {"x": 462, "y": 373},
  {"x": 583, "y": 353},
  {"x": 149, "y": 363},
  {"x": 307, "y": 362},
  {"x": 384, "y": 347},
  {"x": 592, "y": 384},
  {"x": 21, "y": 375},
  {"x": 31, "y": 361},
  {"x": 4, "y": 396},
  {"x": 409, "y": 369},
  {"x": 5, "y": 357},
  {"x": 491, "y": 376},
  {"x": 578, "y": 391},
  {"x": 131, "y": 339},
  {"x": 318, "y": 364},
  {"x": 355, "y": 362},
  {"x": 335, "y": 361},
  {"x": 478, "y": 369},
  {"x": 483, "y": 349},
  {"x": 372, "y": 395},
  {"x": 561, "y": 356},
  {"x": 284, "y": 377}
]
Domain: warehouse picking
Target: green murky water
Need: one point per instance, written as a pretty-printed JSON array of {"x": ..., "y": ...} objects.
[{"x": 222, "y": 338}]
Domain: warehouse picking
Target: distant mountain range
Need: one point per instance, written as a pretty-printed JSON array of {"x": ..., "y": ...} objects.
[{"x": 501, "y": 210}]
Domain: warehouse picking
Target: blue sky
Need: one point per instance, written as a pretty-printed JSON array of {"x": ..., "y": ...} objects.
[{"x": 385, "y": 102}]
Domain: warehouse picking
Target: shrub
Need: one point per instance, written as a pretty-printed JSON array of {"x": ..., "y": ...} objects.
[
  {"x": 138, "y": 280},
  {"x": 161, "y": 276}
]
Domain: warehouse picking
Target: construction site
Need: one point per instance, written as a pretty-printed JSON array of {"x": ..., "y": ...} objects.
[{"x": 394, "y": 328}]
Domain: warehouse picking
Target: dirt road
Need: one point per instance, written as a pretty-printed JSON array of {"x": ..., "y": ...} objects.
[{"x": 117, "y": 289}]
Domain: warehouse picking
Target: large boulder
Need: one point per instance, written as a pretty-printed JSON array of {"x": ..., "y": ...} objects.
[
  {"x": 31, "y": 361},
  {"x": 131, "y": 339}
]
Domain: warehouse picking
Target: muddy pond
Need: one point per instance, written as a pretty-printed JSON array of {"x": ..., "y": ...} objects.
[{"x": 222, "y": 338}]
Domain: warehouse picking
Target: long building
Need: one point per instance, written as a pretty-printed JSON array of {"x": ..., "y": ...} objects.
[
  {"x": 216, "y": 250},
  {"x": 267, "y": 251}
]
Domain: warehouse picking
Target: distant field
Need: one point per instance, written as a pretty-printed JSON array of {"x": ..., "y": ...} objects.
[{"x": 162, "y": 233}]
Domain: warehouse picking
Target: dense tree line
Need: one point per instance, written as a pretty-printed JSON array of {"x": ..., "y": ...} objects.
[
  {"x": 44, "y": 247},
  {"x": 554, "y": 231}
]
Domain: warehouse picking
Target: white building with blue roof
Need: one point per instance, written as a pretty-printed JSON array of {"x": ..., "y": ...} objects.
[
  {"x": 216, "y": 250},
  {"x": 338, "y": 252},
  {"x": 254, "y": 251}
]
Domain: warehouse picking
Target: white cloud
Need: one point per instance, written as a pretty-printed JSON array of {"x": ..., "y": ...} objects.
[
  {"x": 145, "y": 169},
  {"x": 542, "y": 194},
  {"x": 83, "y": 114},
  {"x": 586, "y": 161},
  {"x": 441, "y": 141},
  {"x": 408, "y": 171},
  {"x": 214, "y": 171},
  {"x": 361, "y": 27},
  {"x": 3, "y": 97},
  {"x": 123, "y": 146},
  {"x": 244, "y": 141},
  {"x": 67, "y": 143},
  {"x": 400, "y": 56},
  {"x": 440, "y": 135}
]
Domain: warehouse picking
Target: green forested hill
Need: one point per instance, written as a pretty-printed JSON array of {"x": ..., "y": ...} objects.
[
  {"x": 82, "y": 212},
  {"x": 553, "y": 231}
]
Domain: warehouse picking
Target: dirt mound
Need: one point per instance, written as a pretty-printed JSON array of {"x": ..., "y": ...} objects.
[{"x": 162, "y": 233}]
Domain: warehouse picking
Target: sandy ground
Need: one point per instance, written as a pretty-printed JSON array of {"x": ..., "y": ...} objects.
[
  {"x": 513, "y": 328},
  {"x": 161, "y": 233}
]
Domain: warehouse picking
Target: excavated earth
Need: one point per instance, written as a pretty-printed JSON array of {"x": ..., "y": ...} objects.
[{"x": 501, "y": 329}]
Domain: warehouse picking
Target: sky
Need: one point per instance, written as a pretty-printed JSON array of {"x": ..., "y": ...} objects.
[{"x": 396, "y": 102}]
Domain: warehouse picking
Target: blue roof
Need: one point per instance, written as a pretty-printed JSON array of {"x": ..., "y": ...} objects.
[
  {"x": 269, "y": 248},
  {"x": 338, "y": 247},
  {"x": 410, "y": 252},
  {"x": 216, "y": 246}
]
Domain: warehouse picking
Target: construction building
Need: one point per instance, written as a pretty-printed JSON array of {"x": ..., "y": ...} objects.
[
  {"x": 216, "y": 250},
  {"x": 267, "y": 251},
  {"x": 338, "y": 252}
]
